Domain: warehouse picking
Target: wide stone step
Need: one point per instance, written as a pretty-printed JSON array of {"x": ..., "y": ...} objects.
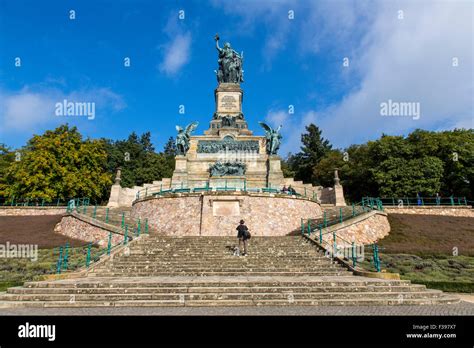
[
  {"x": 123, "y": 262},
  {"x": 184, "y": 264},
  {"x": 146, "y": 244},
  {"x": 215, "y": 273},
  {"x": 186, "y": 296},
  {"x": 224, "y": 263},
  {"x": 200, "y": 256},
  {"x": 232, "y": 303},
  {"x": 145, "y": 269},
  {"x": 224, "y": 282},
  {"x": 213, "y": 289}
]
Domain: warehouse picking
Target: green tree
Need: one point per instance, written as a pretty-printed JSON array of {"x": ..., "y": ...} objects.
[
  {"x": 314, "y": 148},
  {"x": 456, "y": 150},
  {"x": 170, "y": 147},
  {"x": 6, "y": 158},
  {"x": 139, "y": 162},
  {"x": 59, "y": 164},
  {"x": 399, "y": 177},
  {"x": 323, "y": 172},
  {"x": 287, "y": 167},
  {"x": 170, "y": 153}
]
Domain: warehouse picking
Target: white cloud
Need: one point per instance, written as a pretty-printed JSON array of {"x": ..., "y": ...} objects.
[
  {"x": 408, "y": 60},
  {"x": 177, "y": 54},
  {"x": 32, "y": 108},
  {"x": 277, "y": 117},
  {"x": 24, "y": 110},
  {"x": 177, "y": 50}
]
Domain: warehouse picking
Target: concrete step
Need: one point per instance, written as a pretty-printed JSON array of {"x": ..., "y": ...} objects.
[
  {"x": 177, "y": 296},
  {"x": 134, "y": 268},
  {"x": 215, "y": 273},
  {"x": 156, "y": 282},
  {"x": 230, "y": 303},
  {"x": 213, "y": 289}
]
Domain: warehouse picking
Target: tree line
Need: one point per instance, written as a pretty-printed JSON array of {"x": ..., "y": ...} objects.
[
  {"x": 424, "y": 162},
  {"x": 62, "y": 164}
]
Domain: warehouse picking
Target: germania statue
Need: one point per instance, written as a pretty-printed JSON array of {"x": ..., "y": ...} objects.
[{"x": 230, "y": 64}]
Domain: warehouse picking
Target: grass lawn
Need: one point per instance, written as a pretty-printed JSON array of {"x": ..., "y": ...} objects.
[
  {"x": 37, "y": 230},
  {"x": 448, "y": 273},
  {"x": 422, "y": 249},
  {"x": 427, "y": 235}
]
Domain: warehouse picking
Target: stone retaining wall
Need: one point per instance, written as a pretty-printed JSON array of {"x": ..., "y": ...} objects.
[
  {"x": 363, "y": 229},
  {"x": 83, "y": 228},
  {"x": 218, "y": 214},
  {"x": 465, "y": 211},
  {"x": 28, "y": 211}
]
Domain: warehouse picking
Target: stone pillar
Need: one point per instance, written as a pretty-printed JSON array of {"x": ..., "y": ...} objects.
[
  {"x": 339, "y": 200},
  {"x": 116, "y": 190},
  {"x": 275, "y": 174},
  {"x": 180, "y": 174}
]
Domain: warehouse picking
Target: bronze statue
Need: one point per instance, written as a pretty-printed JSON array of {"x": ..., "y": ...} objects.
[
  {"x": 273, "y": 138},
  {"x": 230, "y": 64},
  {"x": 183, "y": 137}
]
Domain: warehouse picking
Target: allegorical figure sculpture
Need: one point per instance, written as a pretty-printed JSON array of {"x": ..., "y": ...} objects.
[
  {"x": 273, "y": 137},
  {"x": 227, "y": 168},
  {"x": 183, "y": 137},
  {"x": 230, "y": 64}
]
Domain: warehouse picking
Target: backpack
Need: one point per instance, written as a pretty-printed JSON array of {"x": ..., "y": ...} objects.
[{"x": 247, "y": 234}]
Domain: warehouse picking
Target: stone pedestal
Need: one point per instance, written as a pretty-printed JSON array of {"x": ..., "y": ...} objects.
[
  {"x": 275, "y": 174},
  {"x": 339, "y": 200},
  {"x": 180, "y": 174},
  {"x": 228, "y": 116},
  {"x": 229, "y": 99},
  {"x": 114, "y": 198},
  {"x": 237, "y": 182}
]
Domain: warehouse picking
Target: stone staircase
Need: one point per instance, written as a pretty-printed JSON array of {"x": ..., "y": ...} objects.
[
  {"x": 212, "y": 256},
  {"x": 202, "y": 271}
]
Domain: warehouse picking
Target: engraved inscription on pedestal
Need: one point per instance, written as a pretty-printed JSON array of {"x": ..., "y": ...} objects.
[
  {"x": 223, "y": 208},
  {"x": 228, "y": 102}
]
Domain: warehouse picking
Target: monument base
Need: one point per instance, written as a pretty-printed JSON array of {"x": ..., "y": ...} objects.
[{"x": 219, "y": 213}]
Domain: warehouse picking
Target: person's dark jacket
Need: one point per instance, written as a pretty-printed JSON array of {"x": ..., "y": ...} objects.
[{"x": 241, "y": 231}]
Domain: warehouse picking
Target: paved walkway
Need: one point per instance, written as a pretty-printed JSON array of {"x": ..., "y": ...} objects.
[{"x": 462, "y": 308}]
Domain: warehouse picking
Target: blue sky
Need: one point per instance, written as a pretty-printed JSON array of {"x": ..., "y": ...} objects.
[{"x": 397, "y": 50}]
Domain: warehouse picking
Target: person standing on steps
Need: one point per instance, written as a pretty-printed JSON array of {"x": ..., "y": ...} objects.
[{"x": 243, "y": 235}]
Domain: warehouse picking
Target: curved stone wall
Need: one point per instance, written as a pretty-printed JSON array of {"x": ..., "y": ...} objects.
[
  {"x": 85, "y": 228},
  {"x": 363, "y": 229},
  {"x": 218, "y": 213}
]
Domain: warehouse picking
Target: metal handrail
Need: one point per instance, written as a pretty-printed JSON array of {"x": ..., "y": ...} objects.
[
  {"x": 367, "y": 206},
  {"x": 159, "y": 191},
  {"x": 423, "y": 201}
]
